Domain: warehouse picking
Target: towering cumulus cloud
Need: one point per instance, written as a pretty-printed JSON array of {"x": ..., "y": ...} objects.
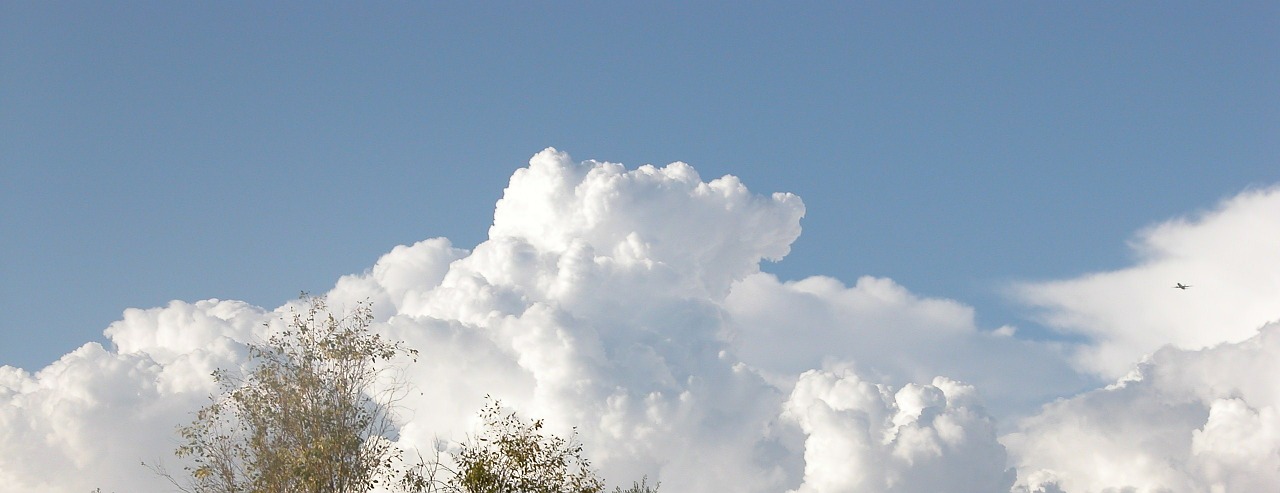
[
  {"x": 630, "y": 304},
  {"x": 596, "y": 302}
]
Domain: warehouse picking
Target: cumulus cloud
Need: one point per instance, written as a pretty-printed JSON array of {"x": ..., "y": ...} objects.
[
  {"x": 1228, "y": 255},
  {"x": 596, "y": 303},
  {"x": 882, "y": 329},
  {"x": 90, "y": 418},
  {"x": 862, "y": 436},
  {"x": 1198, "y": 412},
  {"x": 1183, "y": 421},
  {"x": 630, "y": 304}
]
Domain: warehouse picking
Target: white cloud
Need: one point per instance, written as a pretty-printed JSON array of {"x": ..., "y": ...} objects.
[
  {"x": 864, "y": 437},
  {"x": 1231, "y": 257},
  {"x": 1183, "y": 421},
  {"x": 707, "y": 234},
  {"x": 630, "y": 304},
  {"x": 1200, "y": 414},
  {"x": 786, "y": 328},
  {"x": 90, "y": 418},
  {"x": 595, "y": 303}
]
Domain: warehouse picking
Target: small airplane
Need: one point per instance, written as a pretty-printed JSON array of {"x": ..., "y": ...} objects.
[{"x": 1182, "y": 286}]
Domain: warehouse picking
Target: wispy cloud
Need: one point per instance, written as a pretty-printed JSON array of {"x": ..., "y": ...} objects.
[{"x": 1230, "y": 255}]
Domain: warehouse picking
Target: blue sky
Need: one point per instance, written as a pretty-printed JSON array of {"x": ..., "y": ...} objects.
[{"x": 156, "y": 151}]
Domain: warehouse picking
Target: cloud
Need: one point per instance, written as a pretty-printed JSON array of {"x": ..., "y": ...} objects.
[
  {"x": 882, "y": 329},
  {"x": 1229, "y": 256},
  {"x": 1198, "y": 411},
  {"x": 1183, "y": 421},
  {"x": 864, "y": 437},
  {"x": 708, "y": 234},
  {"x": 630, "y": 304},
  {"x": 89, "y": 419},
  {"x": 596, "y": 303}
]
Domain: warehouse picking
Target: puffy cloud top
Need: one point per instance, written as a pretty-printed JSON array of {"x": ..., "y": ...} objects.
[
  {"x": 659, "y": 217},
  {"x": 1183, "y": 421},
  {"x": 864, "y": 437}
]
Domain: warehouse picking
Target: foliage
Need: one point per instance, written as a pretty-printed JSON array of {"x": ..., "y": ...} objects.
[
  {"x": 305, "y": 416},
  {"x": 514, "y": 456},
  {"x": 640, "y": 487}
]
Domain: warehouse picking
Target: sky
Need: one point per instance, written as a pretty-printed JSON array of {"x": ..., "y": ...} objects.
[{"x": 982, "y": 211}]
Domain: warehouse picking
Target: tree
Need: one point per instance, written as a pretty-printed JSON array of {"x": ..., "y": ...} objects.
[
  {"x": 305, "y": 416},
  {"x": 639, "y": 487},
  {"x": 513, "y": 456}
]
